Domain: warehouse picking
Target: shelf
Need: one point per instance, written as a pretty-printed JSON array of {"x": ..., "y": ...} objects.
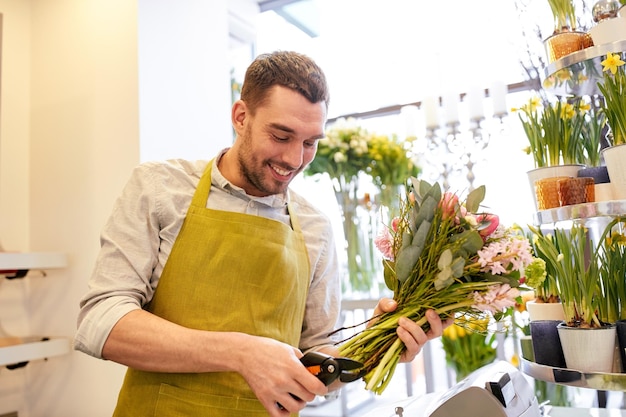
[
  {"x": 584, "y": 70},
  {"x": 570, "y": 377},
  {"x": 17, "y": 264},
  {"x": 17, "y": 350},
  {"x": 611, "y": 208}
]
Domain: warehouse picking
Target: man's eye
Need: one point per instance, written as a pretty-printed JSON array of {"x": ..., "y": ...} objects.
[{"x": 280, "y": 139}]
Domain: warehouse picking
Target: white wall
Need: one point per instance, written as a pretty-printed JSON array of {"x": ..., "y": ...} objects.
[
  {"x": 70, "y": 134},
  {"x": 184, "y": 86}
]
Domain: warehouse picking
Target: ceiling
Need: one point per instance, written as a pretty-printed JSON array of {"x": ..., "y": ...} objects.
[{"x": 303, "y": 14}]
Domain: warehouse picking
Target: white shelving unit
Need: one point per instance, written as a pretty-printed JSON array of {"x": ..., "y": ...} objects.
[
  {"x": 18, "y": 351},
  {"x": 32, "y": 260}
]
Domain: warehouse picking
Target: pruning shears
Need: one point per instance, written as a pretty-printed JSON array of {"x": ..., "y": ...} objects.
[{"x": 328, "y": 368}]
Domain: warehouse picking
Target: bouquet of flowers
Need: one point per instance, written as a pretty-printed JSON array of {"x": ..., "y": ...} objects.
[
  {"x": 392, "y": 163},
  {"x": 342, "y": 154},
  {"x": 440, "y": 254},
  {"x": 348, "y": 154}
]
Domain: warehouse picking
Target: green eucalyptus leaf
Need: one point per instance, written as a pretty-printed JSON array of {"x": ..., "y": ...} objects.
[
  {"x": 475, "y": 197},
  {"x": 426, "y": 211},
  {"x": 406, "y": 239},
  {"x": 405, "y": 262},
  {"x": 434, "y": 191},
  {"x": 457, "y": 267},
  {"x": 390, "y": 277},
  {"x": 419, "y": 239},
  {"x": 413, "y": 214},
  {"x": 420, "y": 187}
]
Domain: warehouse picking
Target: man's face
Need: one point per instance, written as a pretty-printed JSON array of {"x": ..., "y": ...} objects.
[{"x": 278, "y": 142}]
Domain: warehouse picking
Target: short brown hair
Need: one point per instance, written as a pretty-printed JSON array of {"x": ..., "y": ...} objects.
[{"x": 288, "y": 69}]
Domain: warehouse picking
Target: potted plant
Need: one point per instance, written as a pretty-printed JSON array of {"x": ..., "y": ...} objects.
[
  {"x": 574, "y": 259},
  {"x": 593, "y": 132},
  {"x": 612, "y": 285},
  {"x": 546, "y": 303},
  {"x": 564, "y": 14},
  {"x": 565, "y": 39},
  {"x": 613, "y": 88},
  {"x": 554, "y": 132}
]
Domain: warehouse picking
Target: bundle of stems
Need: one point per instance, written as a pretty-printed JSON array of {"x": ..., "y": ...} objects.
[{"x": 437, "y": 265}]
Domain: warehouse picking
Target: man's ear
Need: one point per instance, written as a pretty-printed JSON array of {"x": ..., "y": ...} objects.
[{"x": 238, "y": 115}]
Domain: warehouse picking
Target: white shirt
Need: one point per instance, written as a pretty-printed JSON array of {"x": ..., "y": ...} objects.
[{"x": 138, "y": 237}]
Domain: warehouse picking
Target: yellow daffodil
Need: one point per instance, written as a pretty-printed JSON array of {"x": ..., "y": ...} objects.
[
  {"x": 611, "y": 63},
  {"x": 584, "y": 107},
  {"x": 515, "y": 360},
  {"x": 548, "y": 82},
  {"x": 563, "y": 75},
  {"x": 612, "y": 87}
]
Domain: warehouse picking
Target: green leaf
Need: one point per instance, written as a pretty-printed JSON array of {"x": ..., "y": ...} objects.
[
  {"x": 405, "y": 262},
  {"x": 434, "y": 192},
  {"x": 406, "y": 239},
  {"x": 457, "y": 267},
  {"x": 470, "y": 241},
  {"x": 426, "y": 211},
  {"x": 420, "y": 187},
  {"x": 419, "y": 239},
  {"x": 390, "y": 278},
  {"x": 475, "y": 197}
]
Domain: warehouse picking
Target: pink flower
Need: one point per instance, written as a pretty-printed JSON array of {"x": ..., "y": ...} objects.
[
  {"x": 498, "y": 298},
  {"x": 394, "y": 224},
  {"x": 448, "y": 204},
  {"x": 487, "y": 224},
  {"x": 384, "y": 243}
]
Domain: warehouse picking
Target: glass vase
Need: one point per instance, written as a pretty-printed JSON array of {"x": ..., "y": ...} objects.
[
  {"x": 364, "y": 263},
  {"x": 389, "y": 197}
]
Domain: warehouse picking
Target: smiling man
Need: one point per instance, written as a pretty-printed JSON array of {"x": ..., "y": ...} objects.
[{"x": 214, "y": 277}]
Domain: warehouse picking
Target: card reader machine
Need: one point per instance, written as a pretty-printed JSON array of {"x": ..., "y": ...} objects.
[{"x": 496, "y": 390}]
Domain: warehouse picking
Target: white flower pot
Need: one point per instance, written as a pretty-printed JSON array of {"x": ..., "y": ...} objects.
[
  {"x": 545, "y": 311},
  {"x": 614, "y": 157},
  {"x": 588, "y": 350},
  {"x": 609, "y": 30}
]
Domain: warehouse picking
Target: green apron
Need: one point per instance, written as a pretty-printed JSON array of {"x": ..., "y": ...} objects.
[{"x": 226, "y": 272}]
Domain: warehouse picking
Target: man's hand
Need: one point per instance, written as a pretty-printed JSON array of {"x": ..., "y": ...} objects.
[
  {"x": 412, "y": 335},
  {"x": 276, "y": 376}
]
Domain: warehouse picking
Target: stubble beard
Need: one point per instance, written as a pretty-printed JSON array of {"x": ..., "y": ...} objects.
[{"x": 254, "y": 171}]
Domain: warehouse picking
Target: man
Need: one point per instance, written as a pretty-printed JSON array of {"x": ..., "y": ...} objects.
[{"x": 213, "y": 277}]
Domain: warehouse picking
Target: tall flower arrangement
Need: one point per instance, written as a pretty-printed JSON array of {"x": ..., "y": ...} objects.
[
  {"x": 343, "y": 154},
  {"x": 392, "y": 162},
  {"x": 442, "y": 254},
  {"x": 348, "y": 154},
  {"x": 613, "y": 88}
]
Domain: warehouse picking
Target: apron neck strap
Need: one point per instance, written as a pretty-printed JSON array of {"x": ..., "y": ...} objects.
[{"x": 204, "y": 187}]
